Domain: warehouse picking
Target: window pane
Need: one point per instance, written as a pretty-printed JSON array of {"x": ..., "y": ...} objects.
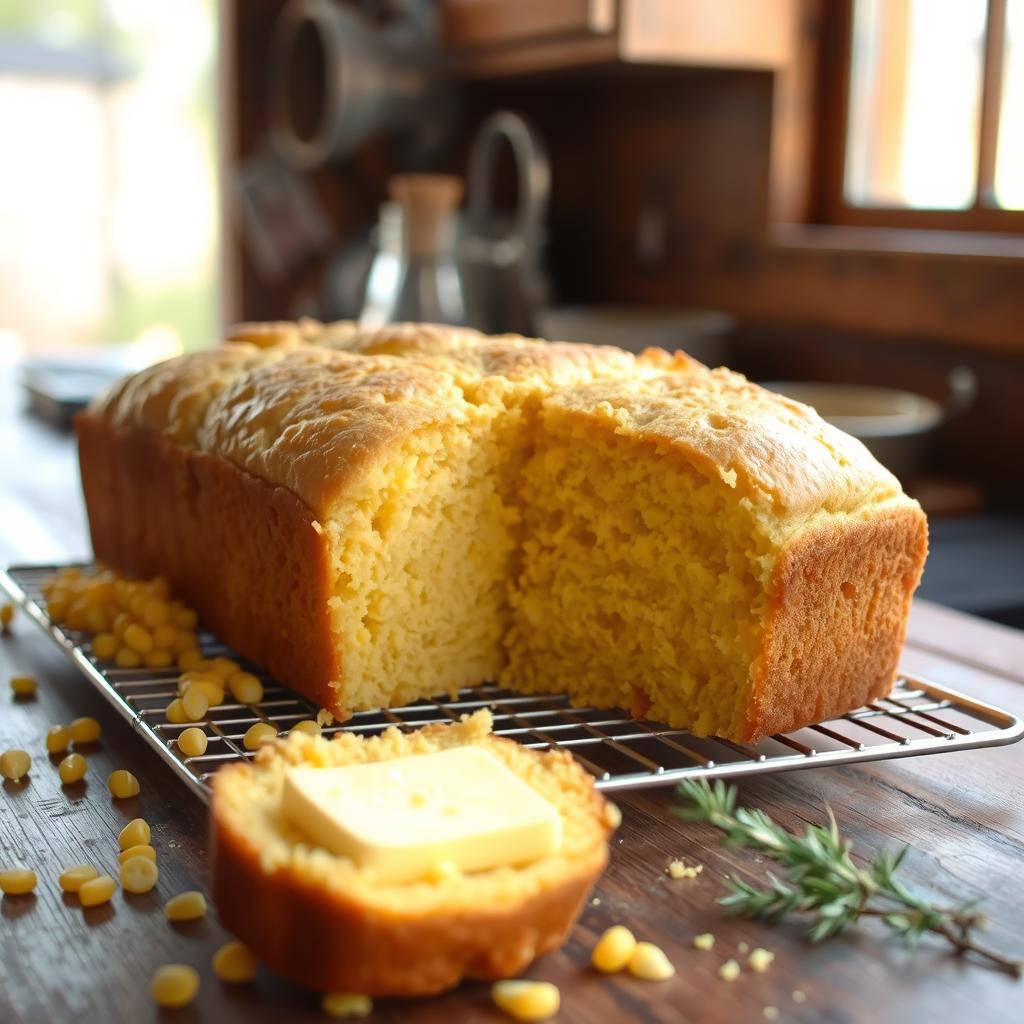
[
  {"x": 1009, "y": 183},
  {"x": 915, "y": 103}
]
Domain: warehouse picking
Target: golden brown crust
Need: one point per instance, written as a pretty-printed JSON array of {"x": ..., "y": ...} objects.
[
  {"x": 334, "y": 944},
  {"x": 156, "y": 508},
  {"x": 840, "y": 600}
]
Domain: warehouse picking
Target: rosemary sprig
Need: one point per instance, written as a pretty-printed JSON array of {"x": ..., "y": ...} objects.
[{"x": 822, "y": 880}]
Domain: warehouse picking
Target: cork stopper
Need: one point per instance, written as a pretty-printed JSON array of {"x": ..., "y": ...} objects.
[{"x": 428, "y": 201}]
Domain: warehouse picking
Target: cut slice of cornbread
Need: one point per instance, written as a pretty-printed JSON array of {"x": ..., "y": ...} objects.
[{"x": 320, "y": 920}]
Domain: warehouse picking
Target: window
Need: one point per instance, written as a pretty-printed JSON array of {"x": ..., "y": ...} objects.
[{"x": 930, "y": 115}]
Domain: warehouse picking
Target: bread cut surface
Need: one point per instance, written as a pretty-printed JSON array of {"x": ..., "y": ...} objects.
[
  {"x": 401, "y": 513},
  {"x": 320, "y": 919}
]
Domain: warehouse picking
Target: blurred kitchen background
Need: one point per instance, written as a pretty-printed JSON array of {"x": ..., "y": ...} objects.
[{"x": 827, "y": 195}]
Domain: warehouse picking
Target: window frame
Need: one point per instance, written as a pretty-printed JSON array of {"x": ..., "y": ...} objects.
[{"x": 983, "y": 215}]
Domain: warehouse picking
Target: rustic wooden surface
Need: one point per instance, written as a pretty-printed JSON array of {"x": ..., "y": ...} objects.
[{"x": 963, "y": 814}]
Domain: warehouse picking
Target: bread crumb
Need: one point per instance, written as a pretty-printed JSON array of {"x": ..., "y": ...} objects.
[
  {"x": 680, "y": 869},
  {"x": 799, "y": 996},
  {"x": 704, "y": 941},
  {"x": 612, "y": 814},
  {"x": 760, "y": 960},
  {"x": 729, "y": 971},
  {"x": 317, "y": 528},
  {"x": 324, "y": 717},
  {"x": 770, "y": 1013},
  {"x": 743, "y": 948}
]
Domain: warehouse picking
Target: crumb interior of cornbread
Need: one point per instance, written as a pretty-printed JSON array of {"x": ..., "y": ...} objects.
[{"x": 639, "y": 575}]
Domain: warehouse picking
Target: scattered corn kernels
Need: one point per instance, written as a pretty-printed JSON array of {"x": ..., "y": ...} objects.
[
  {"x": 105, "y": 645},
  {"x": 704, "y": 941},
  {"x": 84, "y": 730},
  {"x": 140, "y": 850},
  {"x": 186, "y": 906},
  {"x": 346, "y": 1004},
  {"x": 194, "y": 704},
  {"x": 23, "y": 686},
  {"x": 158, "y": 659},
  {"x": 224, "y": 667},
  {"x": 72, "y": 769},
  {"x": 526, "y": 1000},
  {"x": 650, "y": 963},
  {"x": 760, "y": 960},
  {"x": 17, "y": 881},
  {"x": 156, "y": 612},
  {"x": 613, "y": 949},
  {"x": 729, "y": 971},
  {"x": 96, "y": 891},
  {"x": 14, "y": 764},
  {"x": 165, "y": 636},
  {"x": 193, "y": 742},
  {"x": 189, "y": 658},
  {"x": 127, "y": 658},
  {"x": 135, "y": 833},
  {"x": 186, "y": 618},
  {"x": 57, "y": 738},
  {"x": 258, "y": 734},
  {"x": 72, "y": 879},
  {"x": 234, "y": 963},
  {"x": 245, "y": 688},
  {"x": 122, "y": 784},
  {"x": 308, "y": 726},
  {"x": 174, "y": 986},
  {"x": 175, "y": 712},
  {"x": 138, "y": 638},
  {"x": 139, "y": 874},
  {"x": 680, "y": 869},
  {"x": 209, "y": 686}
]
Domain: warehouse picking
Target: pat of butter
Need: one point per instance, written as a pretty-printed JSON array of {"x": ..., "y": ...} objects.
[{"x": 407, "y": 817}]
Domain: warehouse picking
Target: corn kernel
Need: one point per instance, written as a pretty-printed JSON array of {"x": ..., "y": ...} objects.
[
  {"x": 729, "y": 971},
  {"x": 159, "y": 587},
  {"x": 234, "y": 962},
  {"x": 139, "y": 874},
  {"x": 258, "y": 734},
  {"x": 213, "y": 692},
  {"x": 186, "y": 618},
  {"x": 72, "y": 769},
  {"x": 245, "y": 688},
  {"x": 650, "y": 963},
  {"x": 526, "y": 1000},
  {"x": 612, "y": 815},
  {"x": 77, "y": 617},
  {"x": 105, "y": 645},
  {"x": 346, "y": 1004},
  {"x": 760, "y": 960},
  {"x": 174, "y": 986},
  {"x": 97, "y": 620},
  {"x": 127, "y": 658},
  {"x": 137, "y": 603},
  {"x": 158, "y": 659},
  {"x": 122, "y": 784},
  {"x": 17, "y": 881},
  {"x": 138, "y": 638},
  {"x": 195, "y": 705},
  {"x": 156, "y": 612},
  {"x": 165, "y": 636},
  {"x": 186, "y": 906},
  {"x": 189, "y": 658},
  {"x": 704, "y": 941},
  {"x": 6, "y": 616},
  {"x": 185, "y": 640},
  {"x": 175, "y": 712},
  {"x": 96, "y": 891},
  {"x": 193, "y": 742},
  {"x": 308, "y": 726},
  {"x": 121, "y": 622},
  {"x": 84, "y": 730},
  {"x": 23, "y": 686},
  {"x": 72, "y": 879},
  {"x": 141, "y": 850},
  {"x": 135, "y": 833},
  {"x": 14, "y": 764},
  {"x": 224, "y": 667},
  {"x": 613, "y": 949}
]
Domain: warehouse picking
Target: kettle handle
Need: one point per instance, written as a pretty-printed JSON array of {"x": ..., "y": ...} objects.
[{"x": 532, "y": 167}]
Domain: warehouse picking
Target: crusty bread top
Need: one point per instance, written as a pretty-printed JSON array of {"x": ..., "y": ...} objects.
[{"x": 778, "y": 453}]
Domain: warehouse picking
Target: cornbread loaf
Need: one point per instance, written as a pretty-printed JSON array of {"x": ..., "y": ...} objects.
[
  {"x": 320, "y": 920},
  {"x": 377, "y": 517}
]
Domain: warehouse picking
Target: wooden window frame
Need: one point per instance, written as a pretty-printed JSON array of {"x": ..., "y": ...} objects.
[{"x": 836, "y": 67}]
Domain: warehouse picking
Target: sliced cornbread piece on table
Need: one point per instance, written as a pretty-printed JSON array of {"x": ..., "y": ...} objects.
[
  {"x": 710, "y": 555},
  {"x": 320, "y": 920}
]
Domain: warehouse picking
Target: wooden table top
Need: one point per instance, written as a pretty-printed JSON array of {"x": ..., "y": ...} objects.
[{"x": 962, "y": 813}]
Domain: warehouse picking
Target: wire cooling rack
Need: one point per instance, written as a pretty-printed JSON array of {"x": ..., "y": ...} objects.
[{"x": 622, "y": 753}]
